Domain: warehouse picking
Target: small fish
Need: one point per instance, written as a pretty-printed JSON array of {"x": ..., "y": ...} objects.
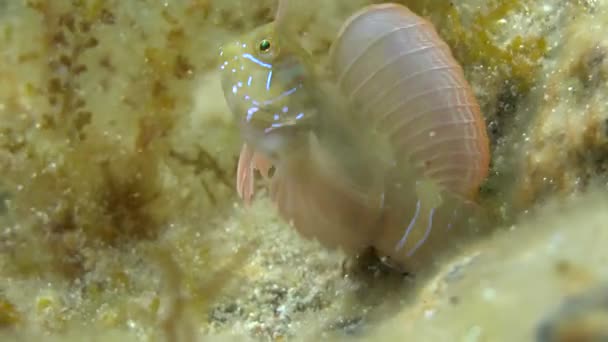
[{"x": 385, "y": 151}]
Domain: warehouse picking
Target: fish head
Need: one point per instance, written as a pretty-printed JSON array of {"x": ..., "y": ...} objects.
[{"x": 269, "y": 88}]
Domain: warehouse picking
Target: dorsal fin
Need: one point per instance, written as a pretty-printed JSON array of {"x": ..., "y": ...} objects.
[{"x": 402, "y": 78}]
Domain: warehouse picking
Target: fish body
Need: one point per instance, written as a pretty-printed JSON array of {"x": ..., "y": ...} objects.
[{"x": 361, "y": 160}]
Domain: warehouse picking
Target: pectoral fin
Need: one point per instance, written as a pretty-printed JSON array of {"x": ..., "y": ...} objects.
[
  {"x": 249, "y": 160},
  {"x": 429, "y": 193}
]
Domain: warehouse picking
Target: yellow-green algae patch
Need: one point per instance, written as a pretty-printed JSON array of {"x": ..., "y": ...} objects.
[
  {"x": 97, "y": 164},
  {"x": 567, "y": 138},
  {"x": 118, "y": 157},
  {"x": 9, "y": 316}
]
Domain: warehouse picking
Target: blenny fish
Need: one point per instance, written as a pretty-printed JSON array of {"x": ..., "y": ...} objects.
[{"x": 385, "y": 148}]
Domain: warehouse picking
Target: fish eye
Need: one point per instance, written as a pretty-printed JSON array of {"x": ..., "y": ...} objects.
[{"x": 265, "y": 45}]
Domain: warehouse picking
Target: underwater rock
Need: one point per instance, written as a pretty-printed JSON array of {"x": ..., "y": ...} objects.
[
  {"x": 565, "y": 141},
  {"x": 582, "y": 317}
]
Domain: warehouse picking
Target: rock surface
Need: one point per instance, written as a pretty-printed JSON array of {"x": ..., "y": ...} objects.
[{"x": 118, "y": 154}]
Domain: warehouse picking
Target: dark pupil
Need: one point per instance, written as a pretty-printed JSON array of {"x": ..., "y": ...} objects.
[{"x": 264, "y": 45}]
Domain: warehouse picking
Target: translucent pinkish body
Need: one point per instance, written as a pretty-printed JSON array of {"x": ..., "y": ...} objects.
[{"x": 386, "y": 153}]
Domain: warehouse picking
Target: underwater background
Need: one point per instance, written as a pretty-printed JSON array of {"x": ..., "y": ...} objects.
[{"x": 120, "y": 220}]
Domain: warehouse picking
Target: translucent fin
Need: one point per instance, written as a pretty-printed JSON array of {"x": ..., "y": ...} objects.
[
  {"x": 249, "y": 160},
  {"x": 262, "y": 164},
  {"x": 244, "y": 175},
  {"x": 404, "y": 81},
  {"x": 321, "y": 207},
  {"x": 429, "y": 192}
]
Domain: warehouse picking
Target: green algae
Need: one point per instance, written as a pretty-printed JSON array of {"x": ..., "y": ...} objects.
[
  {"x": 91, "y": 172},
  {"x": 9, "y": 316},
  {"x": 474, "y": 44}
]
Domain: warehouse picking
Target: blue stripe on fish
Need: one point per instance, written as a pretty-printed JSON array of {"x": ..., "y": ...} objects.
[
  {"x": 426, "y": 234},
  {"x": 409, "y": 228}
]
